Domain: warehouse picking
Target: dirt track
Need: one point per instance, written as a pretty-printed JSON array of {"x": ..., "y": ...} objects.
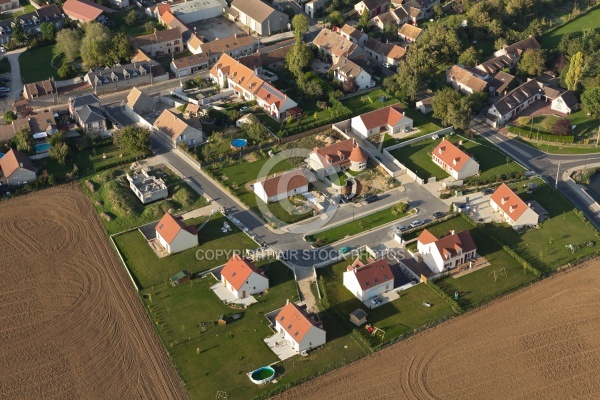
[
  {"x": 71, "y": 323},
  {"x": 540, "y": 343}
]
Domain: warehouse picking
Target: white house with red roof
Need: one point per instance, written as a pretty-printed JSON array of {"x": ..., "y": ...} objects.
[
  {"x": 282, "y": 186},
  {"x": 299, "y": 328},
  {"x": 342, "y": 155},
  {"x": 242, "y": 278},
  {"x": 512, "y": 209},
  {"x": 367, "y": 281},
  {"x": 447, "y": 252},
  {"x": 230, "y": 73},
  {"x": 174, "y": 235},
  {"x": 454, "y": 161},
  {"x": 390, "y": 119}
]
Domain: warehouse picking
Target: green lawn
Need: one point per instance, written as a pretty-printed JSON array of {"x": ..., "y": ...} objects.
[
  {"x": 492, "y": 163},
  {"x": 214, "y": 249},
  {"x": 417, "y": 158},
  {"x": 219, "y": 358},
  {"x": 587, "y": 21},
  {"x": 542, "y": 124},
  {"x": 137, "y": 29},
  {"x": 479, "y": 286},
  {"x": 545, "y": 248},
  {"x": 91, "y": 160},
  {"x": 113, "y": 197},
  {"x": 36, "y": 64},
  {"x": 356, "y": 226},
  {"x": 564, "y": 149},
  {"x": 237, "y": 175},
  {"x": 397, "y": 318}
]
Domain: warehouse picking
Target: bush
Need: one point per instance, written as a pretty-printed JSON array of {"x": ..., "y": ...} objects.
[
  {"x": 400, "y": 208},
  {"x": 541, "y": 136},
  {"x": 445, "y": 195}
]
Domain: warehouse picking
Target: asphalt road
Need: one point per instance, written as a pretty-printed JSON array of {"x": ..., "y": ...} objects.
[
  {"x": 292, "y": 243},
  {"x": 549, "y": 166}
]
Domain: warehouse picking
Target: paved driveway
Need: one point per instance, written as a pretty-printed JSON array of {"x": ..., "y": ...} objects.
[{"x": 15, "y": 84}]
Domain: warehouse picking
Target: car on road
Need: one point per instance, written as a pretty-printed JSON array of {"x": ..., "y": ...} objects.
[
  {"x": 4, "y": 89},
  {"x": 402, "y": 228},
  {"x": 3, "y": 95},
  {"x": 417, "y": 222},
  {"x": 345, "y": 249},
  {"x": 438, "y": 214},
  {"x": 371, "y": 199},
  {"x": 487, "y": 191}
]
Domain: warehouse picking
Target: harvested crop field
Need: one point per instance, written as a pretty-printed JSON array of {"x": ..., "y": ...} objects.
[
  {"x": 72, "y": 325},
  {"x": 539, "y": 343}
]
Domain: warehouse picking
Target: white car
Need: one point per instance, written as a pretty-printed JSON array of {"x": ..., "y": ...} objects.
[
  {"x": 417, "y": 222},
  {"x": 387, "y": 65},
  {"x": 245, "y": 108},
  {"x": 2, "y": 50},
  {"x": 4, "y": 89}
]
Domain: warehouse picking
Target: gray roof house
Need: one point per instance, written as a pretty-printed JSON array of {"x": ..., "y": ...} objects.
[
  {"x": 91, "y": 119},
  {"x": 76, "y": 103},
  {"x": 258, "y": 16}
]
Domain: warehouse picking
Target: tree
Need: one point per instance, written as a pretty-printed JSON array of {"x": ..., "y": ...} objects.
[
  {"x": 574, "y": 71},
  {"x": 47, "y": 30},
  {"x": 364, "y": 22},
  {"x": 59, "y": 152},
  {"x": 301, "y": 25},
  {"x": 451, "y": 108},
  {"x": 256, "y": 131},
  {"x": 349, "y": 85},
  {"x": 9, "y": 117},
  {"x": 18, "y": 35},
  {"x": 132, "y": 18},
  {"x": 298, "y": 58},
  {"x": 590, "y": 100},
  {"x": 95, "y": 45},
  {"x": 58, "y": 137},
  {"x": 134, "y": 139},
  {"x": 532, "y": 62},
  {"x": 438, "y": 11},
  {"x": 66, "y": 71},
  {"x": 562, "y": 127},
  {"x": 150, "y": 26},
  {"x": 522, "y": 121},
  {"x": 469, "y": 57},
  {"x": 336, "y": 18},
  {"x": 68, "y": 42},
  {"x": 121, "y": 48},
  {"x": 23, "y": 140}
]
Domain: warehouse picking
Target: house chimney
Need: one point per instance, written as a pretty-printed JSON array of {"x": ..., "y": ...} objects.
[
  {"x": 287, "y": 301},
  {"x": 452, "y": 232},
  {"x": 21, "y": 164}
]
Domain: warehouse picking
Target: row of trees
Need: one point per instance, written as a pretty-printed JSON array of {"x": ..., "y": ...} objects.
[{"x": 96, "y": 45}]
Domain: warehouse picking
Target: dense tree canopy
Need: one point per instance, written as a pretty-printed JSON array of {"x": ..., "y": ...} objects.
[{"x": 134, "y": 139}]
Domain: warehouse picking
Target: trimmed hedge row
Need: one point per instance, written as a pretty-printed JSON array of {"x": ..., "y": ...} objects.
[
  {"x": 540, "y": 136},
  {"x": 455, "y": 306}
]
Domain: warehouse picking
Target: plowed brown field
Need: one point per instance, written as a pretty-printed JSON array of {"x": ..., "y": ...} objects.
[
  {"x": 542, "y": 342},
  {"x": 71, "y": 325}
]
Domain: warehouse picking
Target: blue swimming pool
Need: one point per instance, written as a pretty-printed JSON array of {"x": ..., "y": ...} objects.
[
  {"x": 1, "y": 155},
  {"x": 42, "y": 148},
  {"x": 238, "y": 144}
]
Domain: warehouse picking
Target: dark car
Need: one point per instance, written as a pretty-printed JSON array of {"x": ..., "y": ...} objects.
[
  {"x": 4, "y": 79},
  {"x": 371, "y": 199},
  {"x": 487, "y": 191},
  {"x": 438, "y": 214},
  {"x": 3, "y": 95}
]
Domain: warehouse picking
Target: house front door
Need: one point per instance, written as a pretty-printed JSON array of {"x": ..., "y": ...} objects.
[{"x": 243, "y": 294}]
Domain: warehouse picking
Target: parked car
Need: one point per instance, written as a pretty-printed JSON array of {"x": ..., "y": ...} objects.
[
  {"x": 376, "y": 301},
  {"x": 345, "y": 249},
  {"x": 402, "y": 228},
  {"x": 2, "y": 49},
  {"x": 7, "y": 79},
  {"x": 371, "y": 199},
  {"x": 438, "y": 214},
  {"x": 4, "y": 89},
  {"x": 487, "y": 191},
  {"x": 417, "y": 222},
  {"x": 245, "y": 108},
  {"x": 3, "y": 95}
]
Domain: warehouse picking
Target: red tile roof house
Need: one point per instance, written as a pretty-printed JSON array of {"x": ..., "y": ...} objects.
[
  {"x": 174, "y": 235},
  {"x": 85, "y": 11},
  {"x": 373, "y": 7},
  {"x": 447, "y": 252},
  {"x": 230, "y": 73},
  {"x": 242, "y": 278},
  {"x": 390, "y": 119},
  {"x": 366, "y": 281},
  {"x": 280, "y": 187},
  {"x": 329, "y": 160},
  {"x": 512, "y": 209},
  {"x": 17, "y": 168},
  {"x": 159, "y": 43},
  {"x": 300, "y": 328},
  {"x": 464, "y": 80},
  {"x": 454, "y": 161}
]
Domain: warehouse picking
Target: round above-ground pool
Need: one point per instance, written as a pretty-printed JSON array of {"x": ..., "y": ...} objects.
[
  {"x": 238, "y": 144},
  {"x": 1, "y": 155},
  {"x": 262, "y": 375}
]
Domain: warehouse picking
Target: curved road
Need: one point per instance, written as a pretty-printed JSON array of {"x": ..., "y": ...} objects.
[{"x": 550, "y": 166}]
